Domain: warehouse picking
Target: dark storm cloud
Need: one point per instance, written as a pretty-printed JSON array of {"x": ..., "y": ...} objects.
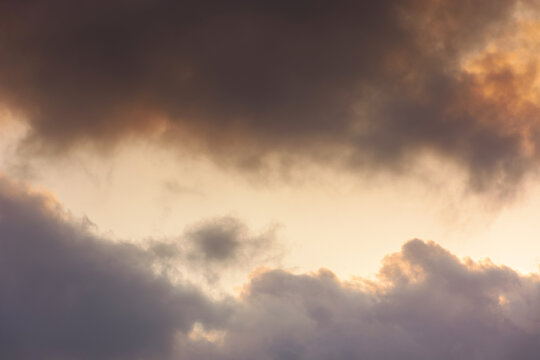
[
  {"x": 367, "y": 83},
  {"x": 65, "y": 294}
]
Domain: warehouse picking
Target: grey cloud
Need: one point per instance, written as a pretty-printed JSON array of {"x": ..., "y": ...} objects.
[
  {"x": 217, "y": 242},
  {"x": 65, "y": 294},
  {"x": 357, "y": 83},
  {"x": 215, "y": 246},
  {"x": 426, "y": 304},
  {"x": 227, "y": 240}
]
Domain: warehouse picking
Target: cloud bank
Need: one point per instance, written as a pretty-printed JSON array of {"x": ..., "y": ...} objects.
[
  {"x": 425, "y": 305},
  {"x": 356, "y": 83},
  {"x": 65, "y": 294}
]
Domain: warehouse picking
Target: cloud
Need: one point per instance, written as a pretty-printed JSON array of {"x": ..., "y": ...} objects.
[
  {"x": 66, "y": 294},
  {"x": 216, "y": 246},
  {"x": 426, "y": 304},
  {"x": 226, "y": 240},
  {"x": 352, "y": 83}
]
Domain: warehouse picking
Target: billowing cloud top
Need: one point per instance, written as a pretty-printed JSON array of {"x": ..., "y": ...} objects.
[
  {"x": 359, "y": 83},
  {"x": 66, "y": 294}
]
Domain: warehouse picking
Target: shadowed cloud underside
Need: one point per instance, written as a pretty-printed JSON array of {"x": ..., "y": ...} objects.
[{"x": 359, "y": 84}]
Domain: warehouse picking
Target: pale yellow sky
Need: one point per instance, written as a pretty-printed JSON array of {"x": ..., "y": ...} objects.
[{"x": 325, "y": 218}]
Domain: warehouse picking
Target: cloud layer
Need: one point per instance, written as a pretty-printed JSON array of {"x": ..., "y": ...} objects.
[
  {"x": 355, "y": 83},
  {"x": 65, "y": 294}
]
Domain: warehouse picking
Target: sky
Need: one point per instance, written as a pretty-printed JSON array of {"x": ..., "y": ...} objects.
[{"x": 307, "y": 179}]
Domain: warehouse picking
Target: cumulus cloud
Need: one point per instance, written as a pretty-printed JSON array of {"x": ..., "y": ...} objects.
[
  {"x": 426, "y": 305},
  {"x": 66, "y": 294},
  {"x": 359, "y": 83}
]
